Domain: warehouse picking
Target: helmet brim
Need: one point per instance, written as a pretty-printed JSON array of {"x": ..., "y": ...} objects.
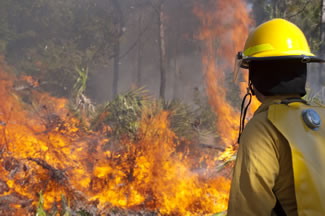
[{"x": 306, "y": 59}]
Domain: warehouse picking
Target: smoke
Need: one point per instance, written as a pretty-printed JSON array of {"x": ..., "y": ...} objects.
[
  {"x": 224, "y": 25},
  {"x": 141, "y": 38}
]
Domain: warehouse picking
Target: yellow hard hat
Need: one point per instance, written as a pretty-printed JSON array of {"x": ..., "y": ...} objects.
[
  {"x": 274, "y": 40},
  {"x": 277, "y": 39}
]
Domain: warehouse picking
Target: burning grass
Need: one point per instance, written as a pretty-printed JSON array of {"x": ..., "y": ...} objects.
[
  {"x": 53, "y": 163},
  {"x": 130, "y": 156}
]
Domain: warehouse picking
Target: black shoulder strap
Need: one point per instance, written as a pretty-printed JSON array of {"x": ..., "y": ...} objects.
[{"x": 287, "y": 101}]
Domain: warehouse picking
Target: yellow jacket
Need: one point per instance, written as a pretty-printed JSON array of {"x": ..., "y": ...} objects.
[{"x": 274, "y": 138}]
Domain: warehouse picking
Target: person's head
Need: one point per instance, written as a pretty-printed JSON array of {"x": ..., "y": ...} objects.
[
  {"x": 278, "y": 77},
  {"x": 276, "y": 54}
]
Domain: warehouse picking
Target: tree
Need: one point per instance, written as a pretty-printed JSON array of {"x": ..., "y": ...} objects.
[
  {"x": 47, "y": 39},
  {"x": 162, "y": 49},
  {"x": 119, "y": 26},
  {"x": 139, "y": 52},
  {"x": 322, "y": 45},
  {"x": 304, "y": 13}
]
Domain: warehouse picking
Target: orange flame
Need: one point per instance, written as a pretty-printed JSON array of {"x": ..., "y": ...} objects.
[
  {"x": 224, "y": 29},
  {"x": 44, "y": 148}
]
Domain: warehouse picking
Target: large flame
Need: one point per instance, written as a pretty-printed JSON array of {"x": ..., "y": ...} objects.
[
  {"x": 44, "y": 148},
  {"x": 224, "y": 29}
]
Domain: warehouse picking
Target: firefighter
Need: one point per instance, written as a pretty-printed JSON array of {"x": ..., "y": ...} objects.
[{"x": 280, "y": 165}]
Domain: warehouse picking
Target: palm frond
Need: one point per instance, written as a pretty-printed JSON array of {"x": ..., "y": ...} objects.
[
  {"x": 224, "y": 213},
  {"x": 81, "y": 83},
  {"x": 122, "y": 114},
  {"x": 182, "y": 117},
  {"x": 80, "y": 104}
]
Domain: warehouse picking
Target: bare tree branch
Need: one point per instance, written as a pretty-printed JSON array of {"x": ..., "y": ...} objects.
[{"x": 299, "y": 12}]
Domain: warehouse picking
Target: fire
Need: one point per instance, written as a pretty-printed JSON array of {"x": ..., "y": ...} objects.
[
  {"x": 45, "y": 149},
  {"x": 224, "y": 29},
  {"x": 155, "y": 164}
]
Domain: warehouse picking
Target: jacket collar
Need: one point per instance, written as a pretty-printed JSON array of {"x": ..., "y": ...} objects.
[{"x": 272, "y": 100}]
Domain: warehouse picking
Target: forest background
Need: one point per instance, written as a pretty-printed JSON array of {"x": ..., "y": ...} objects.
[
  {"x": 117, "y": 59},
  {"x": 127, "y": 44}
]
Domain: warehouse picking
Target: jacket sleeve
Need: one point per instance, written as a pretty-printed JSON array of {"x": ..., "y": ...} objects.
[{"x": 255, "y": 171}]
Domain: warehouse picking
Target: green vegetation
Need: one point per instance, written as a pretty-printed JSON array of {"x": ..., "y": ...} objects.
[
  {"x": 220, "y": 214},
  {"x": 40, "y": 207},
  {"x": 313, "y": 98},
  {"x": 123, "y": 114},
  {"x": 59, "y": 42},
  {"x": 47, "y": 39},
  {"x": 304, "y": 13},
  {"x": 65, "y": 209}
]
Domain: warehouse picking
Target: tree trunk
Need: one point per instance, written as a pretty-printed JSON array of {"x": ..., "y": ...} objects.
[
  {"x": 176, "y": 66},
  {"x": 176, "y": 77},
  {"x": 275, "y": 8},
  {"x": 139, "y": 54},
  {"x": 322, "y": 29},
  {"x": 162, "y": 52},
  {"x": 322, "y": 46},
  {"x": 116, "y": 67},
  {"x": 119, "y": 24}
]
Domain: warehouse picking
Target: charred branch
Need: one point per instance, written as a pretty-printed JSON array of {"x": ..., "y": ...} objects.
[
  {"x": 3, "y": 187},
  {"x": 113, "y": 211},
  {"x": 7, "y": 200},
  {"x": 55, "y": 174},
  {"x": 12, "y": 165}
]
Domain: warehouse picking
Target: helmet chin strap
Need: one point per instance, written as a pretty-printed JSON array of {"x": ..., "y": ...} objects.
[
  {"x": 250, "y": 86},
  {"x": 243, "y": 108}
]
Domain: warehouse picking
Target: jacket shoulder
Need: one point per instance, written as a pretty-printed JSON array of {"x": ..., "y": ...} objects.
[
  {"x": 260, "y": 125},
  {"x": 260, "y": 135}
]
